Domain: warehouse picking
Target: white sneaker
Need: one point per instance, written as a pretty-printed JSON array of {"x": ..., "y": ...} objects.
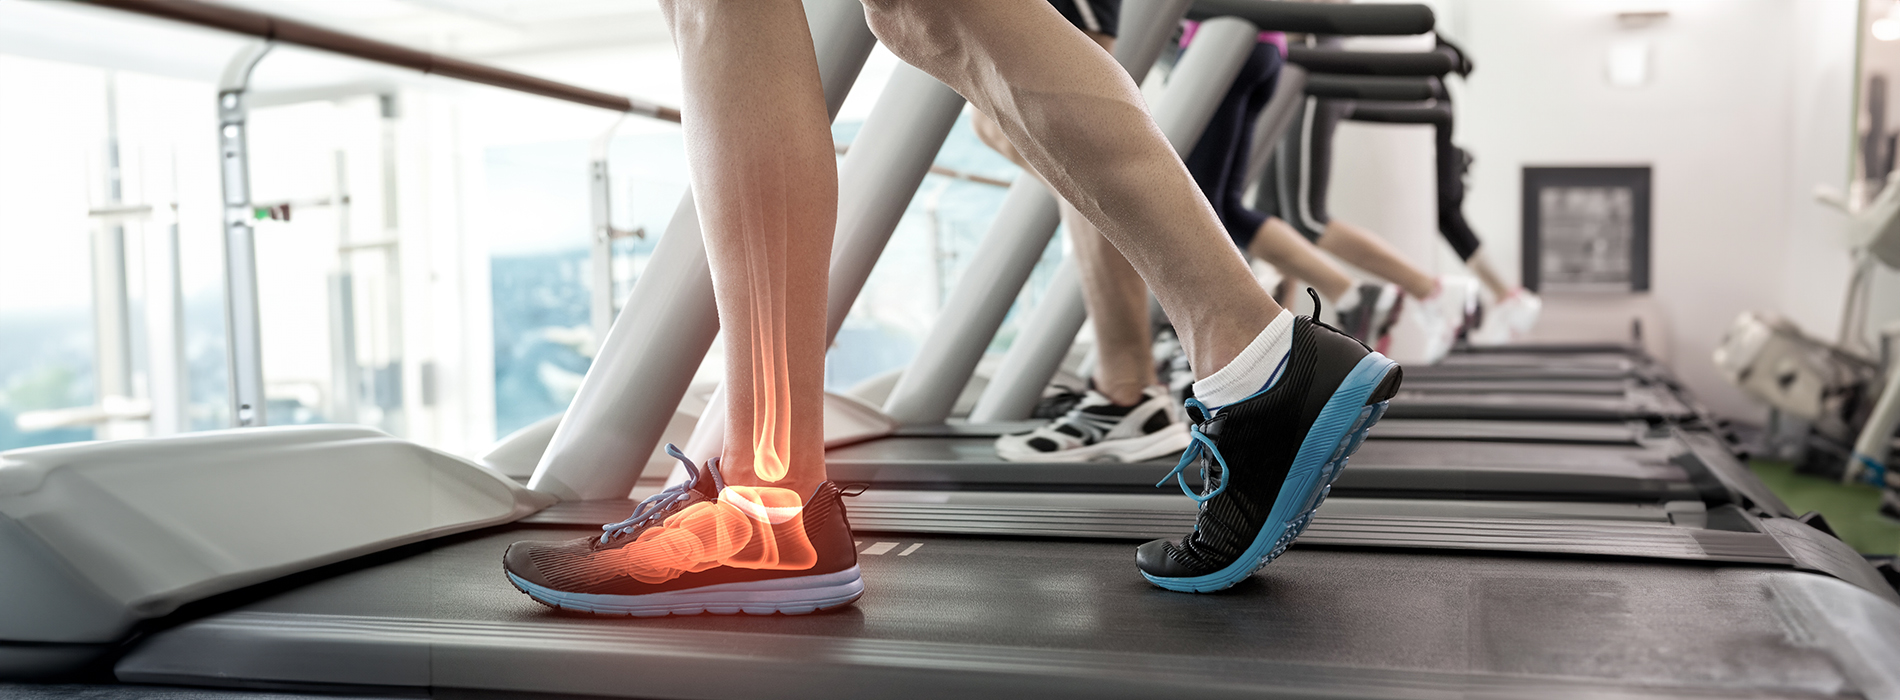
[
  {"x": 1098, "y": 430},
  {"x": 1446, "y": 315},
  {"x": 1509, "y": 320},
  {"x": 1519, "y": 311}
]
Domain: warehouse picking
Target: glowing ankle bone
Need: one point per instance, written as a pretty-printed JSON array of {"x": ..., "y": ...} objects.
[{"x": 749, "y": 527}]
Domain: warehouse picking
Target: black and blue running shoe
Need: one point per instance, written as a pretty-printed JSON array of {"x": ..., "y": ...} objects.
[
  {"x": 1267, "y": 462},
  {"x": 588, "y": 575}
]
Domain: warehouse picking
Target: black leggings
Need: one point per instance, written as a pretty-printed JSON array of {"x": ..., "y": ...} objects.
[
  {"x": 1219, "y": 160},
  {"x": 1305, "y": 158}
]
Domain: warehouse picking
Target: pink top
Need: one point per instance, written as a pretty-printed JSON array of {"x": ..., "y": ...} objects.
[{"x": 1277, "y": 39}]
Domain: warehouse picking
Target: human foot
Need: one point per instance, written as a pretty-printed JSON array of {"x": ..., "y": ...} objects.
[
  {"x": 1446, "y": 315},
  {"x": 1269, "y": 460},
  {"x": 701, "y": 546},
  {"x": 1097, "y": 429}
]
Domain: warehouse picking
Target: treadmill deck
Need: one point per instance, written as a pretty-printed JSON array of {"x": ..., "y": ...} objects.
[{"x": 956, "y": 616}]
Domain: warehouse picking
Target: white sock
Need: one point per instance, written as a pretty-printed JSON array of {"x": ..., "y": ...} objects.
[{"x": 1256, "y": 369}]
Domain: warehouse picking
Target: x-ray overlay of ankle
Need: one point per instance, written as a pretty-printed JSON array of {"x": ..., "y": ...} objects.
[{"x": 749, "y": 527}]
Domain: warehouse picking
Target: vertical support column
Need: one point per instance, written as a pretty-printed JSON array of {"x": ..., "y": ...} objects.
[
  {"x": 600, "y": 256},
  {"x": 243, "y": 340},
  {"x": 111, "y": 298},
  {"x": 387, "y": 379},
  {"x": 346, "y": 379},
  {"x": 649, "y": 354},
  {"x": 165, "y": 319}
]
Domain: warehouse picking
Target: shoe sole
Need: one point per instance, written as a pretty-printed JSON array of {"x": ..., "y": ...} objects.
[
  {"x": 1336, "y": 434},
  {"x": 1167, "y": 441},
  {"x": 788, "y": 596}
]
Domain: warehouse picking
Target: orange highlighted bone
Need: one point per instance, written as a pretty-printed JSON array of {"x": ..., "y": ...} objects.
[{"x": 749, "y": 527}]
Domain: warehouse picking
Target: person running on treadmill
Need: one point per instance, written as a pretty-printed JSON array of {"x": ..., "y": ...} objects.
[
  {"x": 1124, "y": 414},
  {"x": 1281, "y": 401},
  {"x": 1299, "y": 183}
]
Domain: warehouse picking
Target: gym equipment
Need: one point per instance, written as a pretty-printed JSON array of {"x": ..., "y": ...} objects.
[{"x": 1387, "y": 597}]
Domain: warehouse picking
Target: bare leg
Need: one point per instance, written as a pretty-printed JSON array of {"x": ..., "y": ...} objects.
[
  {"x": 1079, "y": 121},
  {"x": 1116, "y": 297},
  {"x": 1282, "y": 247},
  {"x": 1355, "y": 245},
  {"x": 766, "y": 184}
]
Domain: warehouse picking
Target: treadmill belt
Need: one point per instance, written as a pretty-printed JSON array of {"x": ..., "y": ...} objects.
[
  {"x": 1640, "y": 403},
  {"x": 963, "y": 617},
  {"x": 1387, "y": 468}
]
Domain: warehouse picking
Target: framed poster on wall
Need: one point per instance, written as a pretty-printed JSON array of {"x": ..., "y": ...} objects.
[{"x": 1586, "y": 229}]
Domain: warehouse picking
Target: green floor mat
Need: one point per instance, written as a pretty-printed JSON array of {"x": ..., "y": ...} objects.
[{"x": 1849, "y": 509}]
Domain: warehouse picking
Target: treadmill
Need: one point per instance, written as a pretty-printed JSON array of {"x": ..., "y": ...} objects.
[{"x": 371, "y": 565}]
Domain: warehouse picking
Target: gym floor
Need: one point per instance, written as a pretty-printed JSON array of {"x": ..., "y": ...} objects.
[{"x": 1852, "y": 510}]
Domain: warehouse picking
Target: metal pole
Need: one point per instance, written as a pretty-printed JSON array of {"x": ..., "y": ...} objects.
[
  {"x": 1049, "y": 331},
  {"x": 112, "y": 304},
  {"x": 345, "y": 375},
  {"x": 881, "y": 172},
  {"x": 165, "y": 321},
  {"x": 648, "y": 357},
  {"x": 274, "y": 28},
  {"x": 928, "y": 388},
  {"x": 600, "y": 256},
  {"x": 243, "y": 342}
]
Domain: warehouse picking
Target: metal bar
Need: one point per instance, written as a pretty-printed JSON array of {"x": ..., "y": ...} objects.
[
  {"x": 111, "y": 297},
  {"x": 1037, "y": 353},
  {"x": 648, "y": 357},
  {"x": 1323, "y": 18},
  {"x": 600, "y": 254},
  {"x": 345, "y": 374},
  {"x": 278, "y": 28},
  {"x": 928, "y": 390},
  {"x": 243, "y": 342}
]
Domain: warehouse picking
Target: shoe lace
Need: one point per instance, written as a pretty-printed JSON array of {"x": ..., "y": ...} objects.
[
  {"x": 663, "y": 502},
  {"x": 1211, "y": 484}
]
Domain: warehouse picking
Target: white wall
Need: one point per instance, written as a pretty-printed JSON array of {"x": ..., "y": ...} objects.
[{"x": 1747, "y": 108}]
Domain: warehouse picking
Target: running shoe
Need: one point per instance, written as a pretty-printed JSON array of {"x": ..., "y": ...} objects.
[
  {"x": 1371, "y": 319},
  {"x": 590, "y": 575},
  {"x": 1446, "y": 315},
  {"x": 1267, "y": 462},
  {"x": 1510, "y": 319},
  {"x": 1098, "y": 430}
]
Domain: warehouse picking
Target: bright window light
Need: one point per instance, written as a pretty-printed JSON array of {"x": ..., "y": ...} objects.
[{"x": 1886, "y": 29}]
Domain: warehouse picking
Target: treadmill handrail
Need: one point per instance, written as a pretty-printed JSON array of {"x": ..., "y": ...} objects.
[
  {"x": 1372, "y": 87},
  {"x": 1322, "y": 18},
  {"x": 278, "y": 28},
  {"x": 1347, "y": 62}
]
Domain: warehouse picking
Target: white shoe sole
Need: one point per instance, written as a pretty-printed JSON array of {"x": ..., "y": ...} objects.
[
  {"x": 796, "y": 595},
  {"x": 1161, "y": 443}
]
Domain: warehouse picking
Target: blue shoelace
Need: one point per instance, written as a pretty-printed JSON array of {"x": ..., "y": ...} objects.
[
  {"x": 660, "y": 503},
  {"x": 1211, "y": 485}
]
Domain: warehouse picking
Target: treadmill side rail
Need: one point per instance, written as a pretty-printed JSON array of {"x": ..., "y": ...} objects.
[{"x": 96, "y": 536}]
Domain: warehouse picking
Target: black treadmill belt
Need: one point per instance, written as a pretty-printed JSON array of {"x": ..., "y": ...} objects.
[
  {"x": 1596, "y": 433},
  {"x": 1390, "y": 468},
  {"x": 1587, "y": 387},
  {"x": 1579, "y": 537},
  {"x": 963, "y": 617},
  {"x": 1642, "y": 403}
]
